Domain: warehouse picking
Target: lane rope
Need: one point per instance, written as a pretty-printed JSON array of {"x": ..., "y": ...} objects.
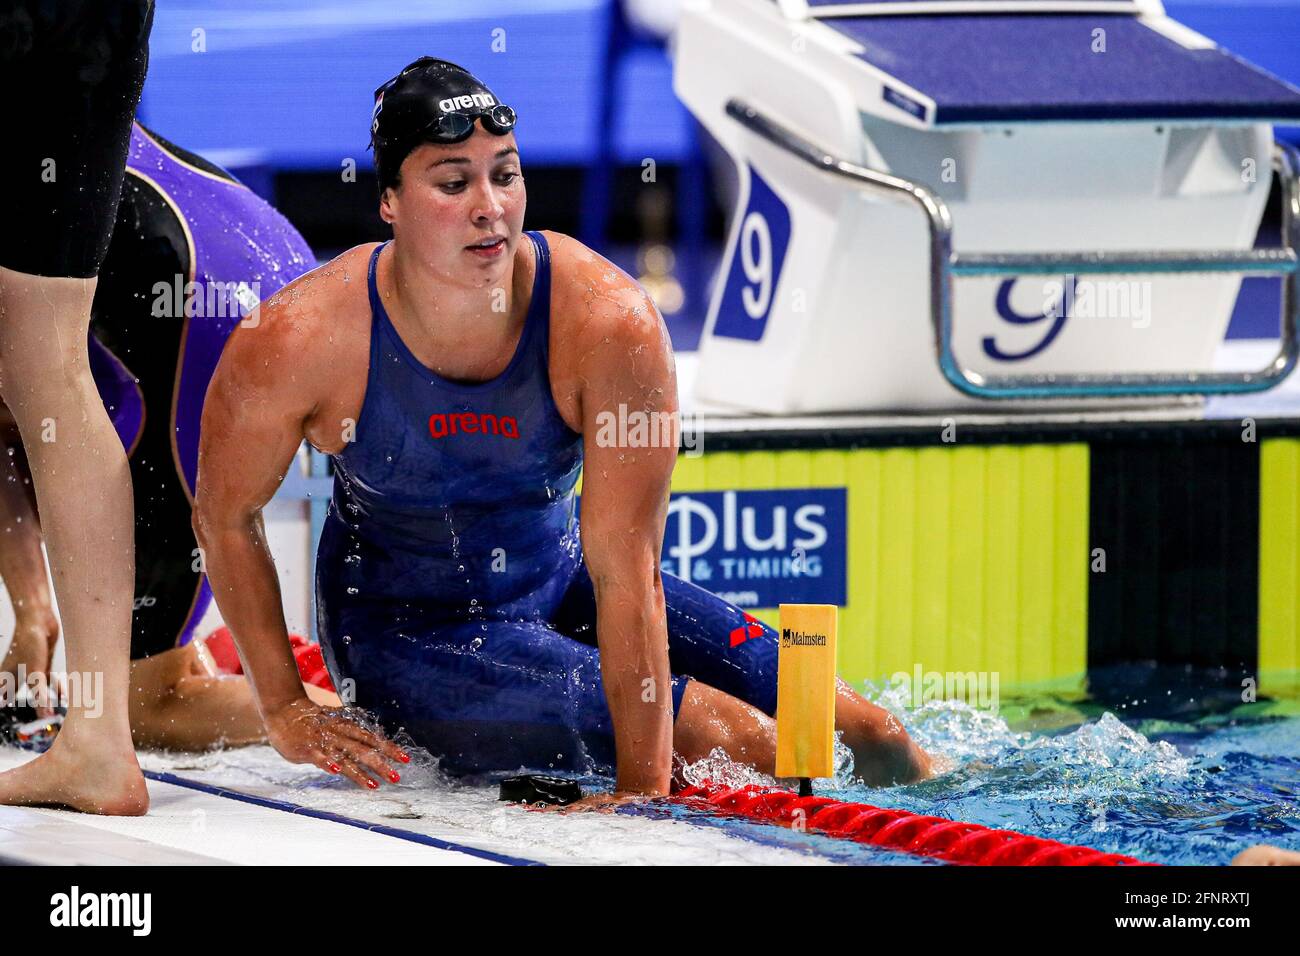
[{"x": 953, "y": 841}]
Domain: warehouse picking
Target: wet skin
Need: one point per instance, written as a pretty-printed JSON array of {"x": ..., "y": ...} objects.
[
  {"x": 301, "y": 373},
  {"x": 176, "y": 701}
]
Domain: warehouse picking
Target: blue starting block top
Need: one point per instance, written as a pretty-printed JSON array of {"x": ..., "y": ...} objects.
[
  {"x": 830, "y": 8},
  {"x": 1001, "y": 68}
]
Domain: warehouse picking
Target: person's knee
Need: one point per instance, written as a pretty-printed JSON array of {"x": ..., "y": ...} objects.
[
  {"x": 40, "y": 383},
  {"x": 161, "y": 709},
  {"x": 41, "y": 313},
  {"x": 756, "y": 738},
  {"x": 43, "y": 347},
  {"x": 710, "y": 719},
  {"x": 157, "y": 681},
  {"x": 885, "y": 754}
]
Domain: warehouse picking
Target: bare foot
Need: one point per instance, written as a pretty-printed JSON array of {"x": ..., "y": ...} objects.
[
  {"x": 78, "y": 778},
  {"x": 1261, "y": 854}
]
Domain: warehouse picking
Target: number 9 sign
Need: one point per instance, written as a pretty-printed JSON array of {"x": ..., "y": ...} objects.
[
  {"x": 757, "y": 255},
  {"x": 756, "y": 259}
]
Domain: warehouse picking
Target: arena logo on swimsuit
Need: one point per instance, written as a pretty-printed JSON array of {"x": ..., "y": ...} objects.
[{"x": 442, "y": 424}]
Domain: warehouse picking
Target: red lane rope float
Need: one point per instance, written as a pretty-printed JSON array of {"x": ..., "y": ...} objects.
[{"x": 949, "y": 840}]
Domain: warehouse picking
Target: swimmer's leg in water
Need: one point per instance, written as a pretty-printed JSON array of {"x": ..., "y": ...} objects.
[
  {"x": 883, "y": 753},
  {"x": 734, "y": 704}
]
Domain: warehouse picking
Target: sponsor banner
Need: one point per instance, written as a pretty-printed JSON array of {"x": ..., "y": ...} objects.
[{"x": 761, "y": 548}]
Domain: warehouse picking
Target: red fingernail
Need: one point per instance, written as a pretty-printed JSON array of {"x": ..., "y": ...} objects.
[
  {"x": 371, "y": 784},
  {"x": 394, "y": 776},
  {"x": 333, "y": 768},
  {"x": 405, "y": 758}
]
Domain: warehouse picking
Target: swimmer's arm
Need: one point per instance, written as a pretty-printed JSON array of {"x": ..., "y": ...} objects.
[
  {"x": 253, "y": 423},
  {"x": 258, "y": 409},
  {"x": 628, "y": 362}
]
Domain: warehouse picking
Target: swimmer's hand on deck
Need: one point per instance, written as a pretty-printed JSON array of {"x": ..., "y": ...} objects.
[
  {"x": 598, "y": 803},
  {"x": 304, "y": 732}
]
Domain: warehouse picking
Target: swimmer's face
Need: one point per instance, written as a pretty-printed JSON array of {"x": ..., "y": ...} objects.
[{"x": 450, "y": 200}]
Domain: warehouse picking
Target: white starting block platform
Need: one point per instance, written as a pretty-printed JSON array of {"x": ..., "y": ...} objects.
[{"x": 949, "y": 205}]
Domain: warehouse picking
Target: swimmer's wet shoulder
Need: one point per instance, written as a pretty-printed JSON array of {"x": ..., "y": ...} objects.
[
  {"x": 310, "y": 346},
  {"x": 605, "y": 329}
]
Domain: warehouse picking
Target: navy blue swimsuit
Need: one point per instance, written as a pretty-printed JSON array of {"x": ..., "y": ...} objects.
[{"x": 452, "y": 598}]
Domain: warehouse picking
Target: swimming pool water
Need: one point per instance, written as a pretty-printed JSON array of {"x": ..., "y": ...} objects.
[{"x": 1197, "y": 790}]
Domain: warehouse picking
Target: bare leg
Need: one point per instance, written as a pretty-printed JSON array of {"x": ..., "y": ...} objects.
[
  {"x": 709, "y": 719},
  {"x": 22, "y": 564},
  {"x": 178, "y": 704},
  {"x": 83, "y": 489},
  {"x": 883, "y": 754},
  {"x": 1261, "y": 854}
]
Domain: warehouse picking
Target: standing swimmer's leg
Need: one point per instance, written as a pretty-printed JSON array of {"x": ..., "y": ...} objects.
[
  {"x": 64, "y": 170},
  {"x": 84, "y": 494}
]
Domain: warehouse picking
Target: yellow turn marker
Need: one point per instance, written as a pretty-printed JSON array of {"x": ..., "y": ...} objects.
[{"x": 805, "y": 691}]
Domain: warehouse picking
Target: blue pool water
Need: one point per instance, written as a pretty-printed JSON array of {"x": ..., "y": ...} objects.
[{"x": 1196, "y": 790}]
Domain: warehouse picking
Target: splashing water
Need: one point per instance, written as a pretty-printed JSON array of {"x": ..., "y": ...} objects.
[
  {"x": 1199, "y": 797},
  {"x": 1193, "y": 792}
]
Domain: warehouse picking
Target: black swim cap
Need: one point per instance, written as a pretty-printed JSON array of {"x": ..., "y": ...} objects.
[{"x": 430, "y": 101}]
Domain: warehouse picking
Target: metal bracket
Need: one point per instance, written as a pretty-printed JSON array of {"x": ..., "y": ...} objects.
[{"x": 945, "y": 265}]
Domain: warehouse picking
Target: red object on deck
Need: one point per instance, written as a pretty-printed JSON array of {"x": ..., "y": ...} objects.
[
  {"x": 311, "y": 665},
  {"x": 949, "y": 840}
]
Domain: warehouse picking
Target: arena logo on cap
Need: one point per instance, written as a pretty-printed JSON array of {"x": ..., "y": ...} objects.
[{"x": 466, "y": 102}]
